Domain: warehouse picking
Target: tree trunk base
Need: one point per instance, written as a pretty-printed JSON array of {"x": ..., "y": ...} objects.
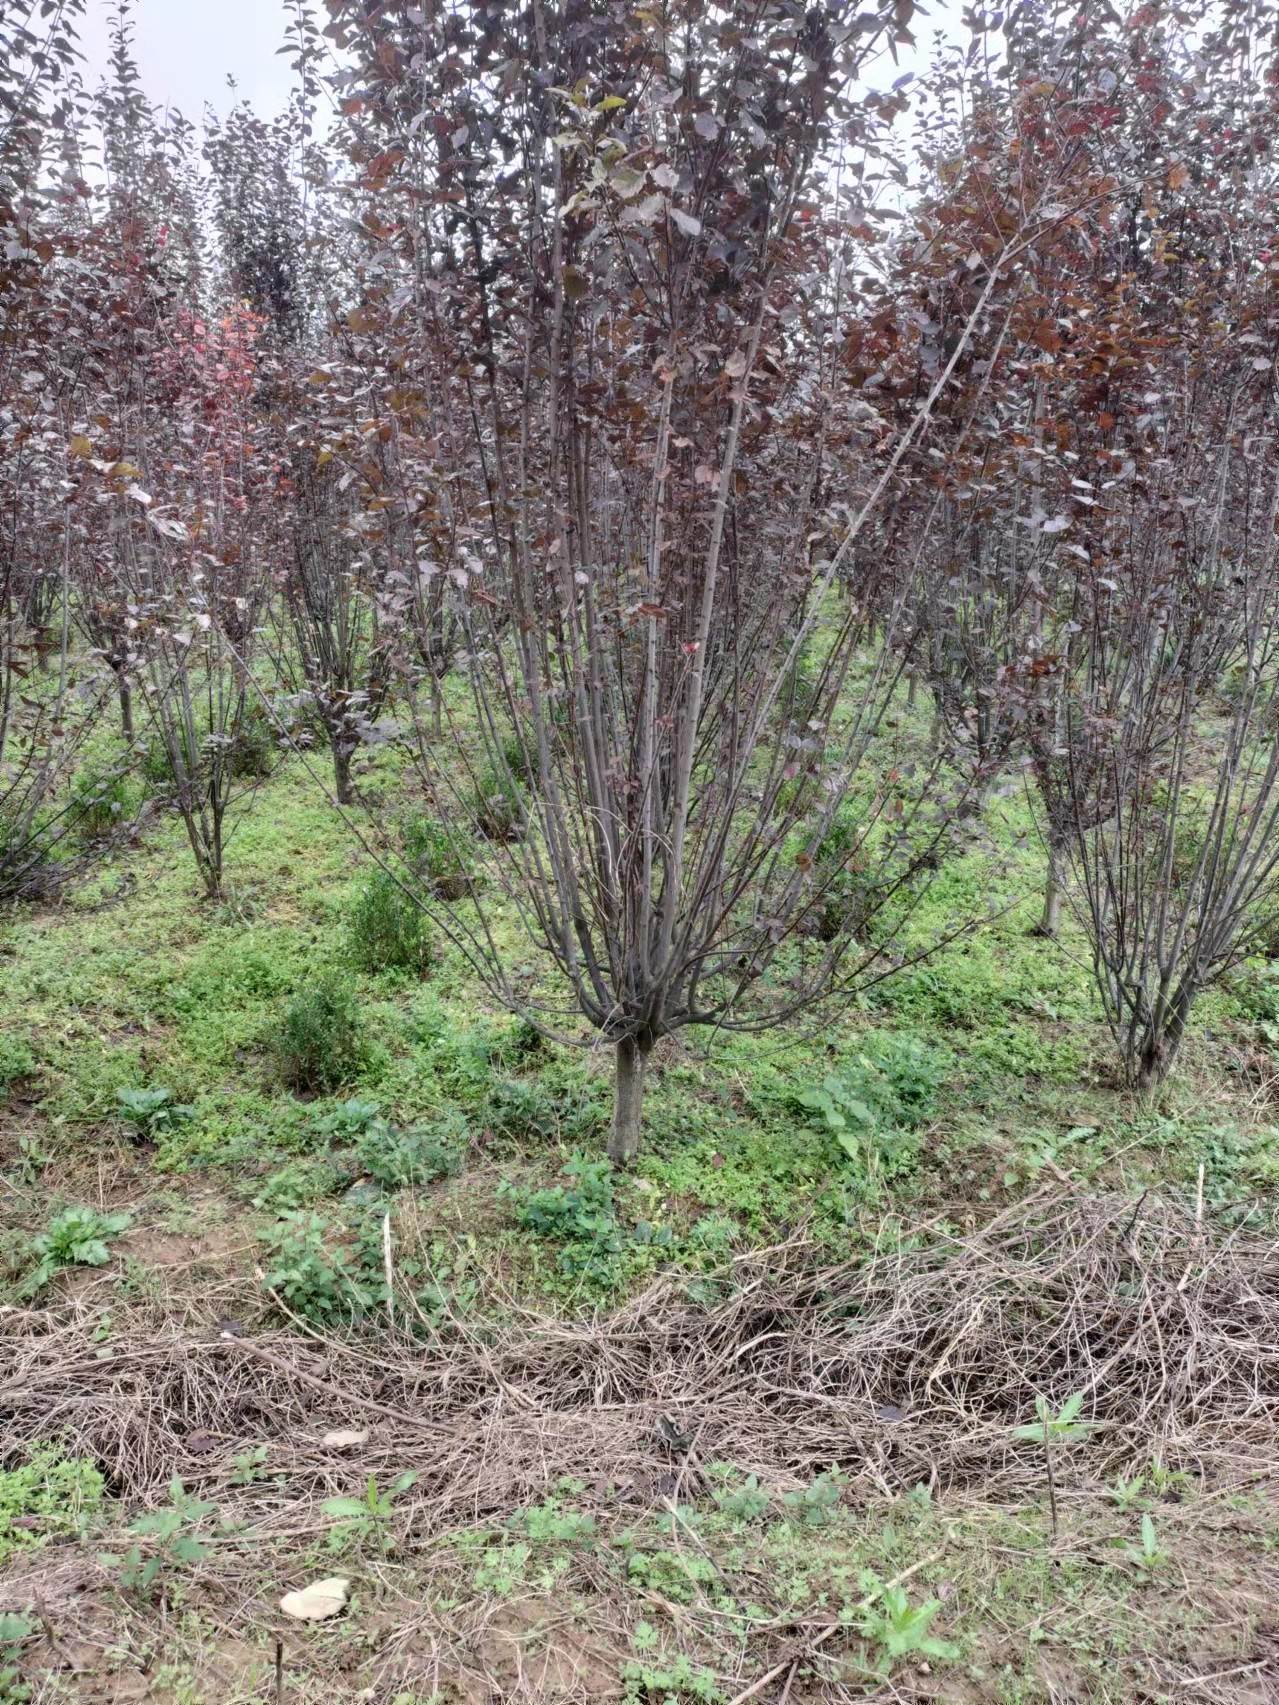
[{"x": 628, "y": 1101}]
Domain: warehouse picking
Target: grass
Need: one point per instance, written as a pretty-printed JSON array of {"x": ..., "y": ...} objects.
[{"x": 131, "y": 983}]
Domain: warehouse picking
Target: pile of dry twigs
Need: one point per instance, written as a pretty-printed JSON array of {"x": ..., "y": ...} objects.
[{"x": 911, "y": 1364}]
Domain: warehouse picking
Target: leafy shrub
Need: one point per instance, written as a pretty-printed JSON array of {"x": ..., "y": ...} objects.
[
  {"x": 500, "y": 807},
  {"x": 253, "y": 744},
  {"x": 46, "y": 1497},
  {"x": 77, "y": 1237},
  {"x": 439, "y": 858},
  {"x": 101, "y": 798},
  {"x": 397, "y": 1158},
  {"x": 388, "y": 930},
  {"x": 320, "y": 1043}
]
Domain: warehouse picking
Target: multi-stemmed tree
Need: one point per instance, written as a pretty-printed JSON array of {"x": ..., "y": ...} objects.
[{"x": 621, "y": 230}]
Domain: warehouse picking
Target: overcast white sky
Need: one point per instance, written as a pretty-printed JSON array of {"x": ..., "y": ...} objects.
[{"x": 186, "y": 48}]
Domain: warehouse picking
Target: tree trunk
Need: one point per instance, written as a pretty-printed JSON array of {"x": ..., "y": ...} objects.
[
  {"x": 437, "y": 707},
  {"x": 1050, "y": 922},
  {"x": 125, "y": 693},
  {"x": 342, "y": 775},
  {"x": 1159, "y": 1049},
  {"x": 628, "y": 1101}
]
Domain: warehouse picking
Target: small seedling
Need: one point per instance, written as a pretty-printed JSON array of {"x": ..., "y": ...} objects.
[
  {"x": 1048, "y": 1428},
  {"x": 369, "y": 1517},
  {"x": 249, "y": 1466},
  {"x": 1126, "y": 1493},
  {"x": 166, "y": 1541},
  {"x": 1149, "y": 1555},
  {"x": 899, "y": 1629}
]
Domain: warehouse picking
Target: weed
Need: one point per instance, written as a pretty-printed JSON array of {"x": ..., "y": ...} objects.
[
  {"x": 500, "y": 808},
  {"x": 742, "y": 1500},
  {"x": 310, "y": 1278},
  {"x": 77, "y": 1237},
  {"x": 388, "y": 929},
  {"x": 676, "y": 1575},
  {"x": 668, "y": 1683},
  {"x": 395, "y": 1159},
  {"x": 899, "y": 1629},
  {"x": 873, "y": 1107},
  {"x": 101, "y": 798},
  {"x": 32, "y": 1159},
  {"x": 816, "y": 1504},
  {"x": 1127, "y": 1493},
  {"x": 16, "y": 1062},
  {"x": 519, "y": 1110},
  {"x": 320, "y": 1043},
  {"x": 15, "y": 1630},
  {"x": 249, "y": 1466},
  {"x": 580, "y": 1214},
  {"x": 296, "y": 1185},
  {"x": 361, "y": 1519},
  {"x": 253, "y": 749},
  {"x": 165, "y": 1543},
  {"x": 348, "y": 1119},
  {"x": 552, "y": 1523},
  {"x": 47, "y": 1496},
  {"x": 1148, "y": 1555},
  {"x": 151, "y": 1112}
]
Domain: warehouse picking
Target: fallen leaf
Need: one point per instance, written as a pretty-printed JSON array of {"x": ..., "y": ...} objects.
[{"x": 317, "y": 1602}]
